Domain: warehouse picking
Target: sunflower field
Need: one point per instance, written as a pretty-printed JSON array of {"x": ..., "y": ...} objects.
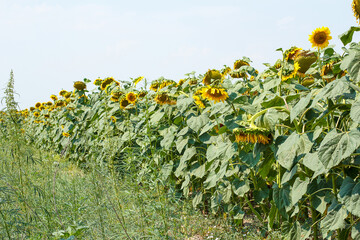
[{"x": 282, "y": 145}]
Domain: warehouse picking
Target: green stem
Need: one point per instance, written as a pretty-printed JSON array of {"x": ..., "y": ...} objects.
[
  {"x": 257, "y": 214},
  {"x": 314, "y": 219}
]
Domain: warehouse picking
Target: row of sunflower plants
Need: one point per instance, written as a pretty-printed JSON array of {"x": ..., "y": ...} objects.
[{"x": 281, "y": 145}]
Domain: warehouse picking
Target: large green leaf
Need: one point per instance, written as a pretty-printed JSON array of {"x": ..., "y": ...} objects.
[
  {"x": 240, "y": 186},
  {"x": 197, "y": 122},
  {"x": 299, "y": 107},
  {"x": 347, "y": 36},
  {"x": 349, "y": 195},
  {"x": 298, "y": 189},
  {"x": 351, "y": 63},
  {"x": 197, "y": 199},
  {"x": 355, "y": 111},
  {"x": 189, "y": 153},
  {"x": 335, "y": 219},
  {"x": 311, "y": 161},
  {"x": 281, "y": 197},
  {"x": 183, "y": 103},
  {"x": 355, "y": 231},
  {"x": 293, "y": 146},
  {"x": 338, "y": 146}
]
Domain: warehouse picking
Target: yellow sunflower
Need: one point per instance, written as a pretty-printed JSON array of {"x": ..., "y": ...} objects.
[
  {"x": 65, "y": 134},
  {"x": 79, "y": 85},
  {"x": 124, "y": 103},
  {"x": 162, "y": 98},
  {"x": 211, "y": 76},
  {"x": 137, "y": 80},
  {"x": 291, "y": 73},
  {"x": 62, "y": 92},
  {"x": 98, "y": 81},
  {"x": 49, "y": 103},
  {"x": 36, "y": 114},
  {"x": 215, "y": 93},
  {"x": 67, "y": 95},
  {"x": 305, "y": 60},
  {"x": 37, "y": 105},
  {"x": 131, "y": 97},
  {"x": 113, "y": 119},
  {"x": 106, "y": 82},
  {"x": 154, "y": 86},
  {"x": 239, "y": 63},
  {"x": 142, "y": 94},
  {"x": 252, "y": 135},
  {"x": 53, "y": 97},
  {"x": 198, "y": 101},
  {"x": 320, "y": 37},
  {"x": 181, "y": 82},
  {"x": 356, "y": 9},
  {"x": 292, "y": 53}
]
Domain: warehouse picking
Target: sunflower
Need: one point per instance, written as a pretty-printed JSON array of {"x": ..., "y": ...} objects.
[
  {"x": 32, "y": 109},
  {"x": 320, "y": 37},
  {"x": 114, "y": 99},
  {"x": 106, "y": 82},
  {"x": 49, "y": 103},
  {"x": 305, "y": 60},
  {"x": 42, "y": 107},
  {"x": 308, "y": 81},
  {"x": 292, "y": 53},
  {"x": 356, "y": 9},
  {"x": 142, "y": 94},
  {"x": 46, "y": 115},
  {"x": 181, "y": 82},
  {"x": 36, "y": 114},
  {"x": 290, "y": 73},
  {"x": 212, "y": 75},
  {"x": 37, "y": 105},
  {"x": 53, "y": 97},
  {"x": 131, "y": 97},
  {"x": 193, "y": 82},
  {"x": 65, "y": 134},
  {"x": 239, "y": 63},
  {"x": 124, "y": 103},
  {"x": 79, "y": 85},
  {"x": 237, "y": 74},
  {"x": 252, "y": 135},
  {"x": 67, "y": 95},
  {"x": 59, "y": 103},
  {"x": 166, "y": 83},
  {"x": 215, "y": 93},
  {"x": 198, "y": 101},
  {"x": 137, "y": 80},
  {"x": 98, "y": 81},
  {"x": 162, "y": 98},
  {"x": 113, "y": 119},
  {"x": 154, "y": 86},
  {"x": 62, "y": 92}
]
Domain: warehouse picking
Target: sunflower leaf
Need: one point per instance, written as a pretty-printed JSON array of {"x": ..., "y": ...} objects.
[{"x": 347, "y": 36}]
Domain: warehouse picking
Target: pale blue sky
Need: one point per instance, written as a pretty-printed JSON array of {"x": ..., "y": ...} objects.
[{"x": 50, "y": 44}]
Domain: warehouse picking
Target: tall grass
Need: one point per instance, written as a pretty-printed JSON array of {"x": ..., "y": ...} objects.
[{"x": 45, "y": 196}]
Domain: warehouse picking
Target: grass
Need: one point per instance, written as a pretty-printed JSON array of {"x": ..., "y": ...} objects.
[{"x": 44, "y": 196}]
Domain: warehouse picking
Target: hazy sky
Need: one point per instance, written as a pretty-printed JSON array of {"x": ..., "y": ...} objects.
[{"x": 52, "y": 43}]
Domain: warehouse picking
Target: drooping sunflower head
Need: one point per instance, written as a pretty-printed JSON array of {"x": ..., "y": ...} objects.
[
  {"x": 142, "y": 94},
  {"x": 106, "y": 82},
  {"x": 98, "y": 81},
  {"x": 59, "y": 103},
  {"x": 215, "y": 93},
  {"x": 193, "y": 82},
  {"x": 67, "y": 95},
  {"x": 62, "y": 92},
  {"x": 356, "y": 9},
  {"x": 307, "y": 81},
  {"x": 49, "y": 103},
  {"x": 305, "y": 60},
  {"x": 181, "y": 82},
  {"x": 154, "y": 86},
  {"x": 131, "y": 97},
  {"x": 320, "y": 37},
  {"x": 116, "y": 93},
  {"x": 124, "y": 103},
  {"x": 32, "y": 109},
  {"x": 212, "y": 76},
  {"x": 65, "y": 134},
  {"x": 239, "y": 63},
  {"x": 167, "y": 83},
  {"x": 252, "y": 135},
  {"x": 42, "y": 107},
  {"x": 162, "y": 98},
  {"x": 36, "y": 114},
  {"x": 53, "y": 97},
  {"x": 46, "y": 115},
  {"x": 290, "y": 71},
  {"x": 292, "y": 53},
  {"x": 79, "y": 85}
]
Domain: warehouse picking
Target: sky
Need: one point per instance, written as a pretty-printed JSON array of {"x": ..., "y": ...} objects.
[{"x": 50, "y": 44}]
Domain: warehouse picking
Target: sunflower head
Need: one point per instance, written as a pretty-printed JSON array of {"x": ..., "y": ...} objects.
[
  {"x": 98, "y": 81},
  {"x": 36, "y": 114},
  {"x": 308, "y": 81},
  {"x": 124, "y": 103},
  {"x": 292, "y": 53},
  {"x": 79, "y": 85},
  {"x": 320, "y": 37},
  {"x": 32, "y": 109},
  {"x": 238, "y": 74},
  {"x": 53, "y": 97},
  {"x": 131, "y": 97},
  {"x": 65, "y": 134},
  {"x": 62, "y": 92},
  {"x": 49, "y": 103},
  {"x": 215, "y": 93},
  {"x": 193, "y": 82},
  {"x": 239, "y": 63},
  {"x": 59, "y": 103},
  {"x": 167, "y": 83},
  {"x": 37, "y": 105},
  {"x": 290, "y": 71},
  {"x": 137, "y": 80},
  {"x": 106, "y": 82},
  {"x": 113, "y": 119},
  {"x": 181, "y": 82},
  {"x": 46, "y": 115},
  {"x": 212, "y": 76},
  {"x": 198, "y": 101},
  {"x": 252, "y": 135},
  {"x": 162, "y": 98},
  {"x": 154, "y": 86},
  {"x": 356, "y": 9},
  {"x": 305, "y": 60},
  {"x": 142, "y": 94},
  {"x": 42, "y": 107}
]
